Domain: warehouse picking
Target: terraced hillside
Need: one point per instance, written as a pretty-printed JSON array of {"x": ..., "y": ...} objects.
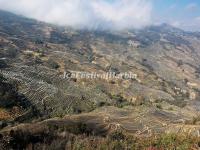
[{"x": 164, "y": 96}]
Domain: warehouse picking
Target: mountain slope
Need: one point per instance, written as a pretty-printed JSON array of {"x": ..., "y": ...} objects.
[{"x": 35, "y": 55}]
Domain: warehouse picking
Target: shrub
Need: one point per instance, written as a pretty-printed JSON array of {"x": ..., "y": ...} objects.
[
  {"x": 147, "y": 64},
  {"x": 3, "y": 64},
  {"x": 53, "y": 64},
  {"x": 198, "y": 70},
  {"x": 101, "y": 104},
  {"x": 117, "y": 136},
  {"x": 2, "y": 78},
  {"x": 171, "y": 108},
  {"x": 116, "y": 145},
  {"x": 38, "y": 41},
  {"x": 12, "y": 53},
  {"x": 76, "y": 110},
  {"x": 37, "y": 60},
  {"x": 116, "y": 141},
  {"x": 159, "y": 106},
  {"x": 140, "y": 101},
  {"x": 194, "y": 120},
  {"x": 114, "y": 70},
  {"x": 73, "y": 127},
  {"x": 119, "y": 101},
  {"x": 180, "y": 63},
  {"x": 91, "y": 58}
]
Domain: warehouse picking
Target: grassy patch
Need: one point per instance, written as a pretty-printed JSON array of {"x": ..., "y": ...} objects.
[{"x": 114, "y": 141}]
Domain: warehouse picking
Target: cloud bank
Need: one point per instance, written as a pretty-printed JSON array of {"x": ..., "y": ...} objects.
[{"x": 91, "y": 14}]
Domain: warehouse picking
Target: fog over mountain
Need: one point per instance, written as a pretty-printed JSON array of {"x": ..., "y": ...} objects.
[{"x": 106, "y": 14}]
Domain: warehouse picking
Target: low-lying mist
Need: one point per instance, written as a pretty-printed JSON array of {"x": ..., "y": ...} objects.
[{"x": 90, "y": 14}]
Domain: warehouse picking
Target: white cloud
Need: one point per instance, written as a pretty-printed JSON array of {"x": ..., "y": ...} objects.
[
  {"x": 118, "y": 14},
  {"x": 191, "y": 24},
  {"x": 176, "y": 24},
  {"x": 191, "y": 7},
  {"x": 197, "y": 19}
]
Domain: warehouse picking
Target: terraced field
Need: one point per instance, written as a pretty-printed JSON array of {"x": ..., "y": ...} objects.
[{"x": 163, "y": 98}]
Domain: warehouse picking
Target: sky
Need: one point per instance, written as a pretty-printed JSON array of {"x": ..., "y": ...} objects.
[
  {"x": 109, "y": 14},
  {"x": 180, "y": 13}
]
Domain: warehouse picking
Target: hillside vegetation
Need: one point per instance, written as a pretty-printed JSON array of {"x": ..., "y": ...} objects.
[{"x": 160, "y": 102}]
